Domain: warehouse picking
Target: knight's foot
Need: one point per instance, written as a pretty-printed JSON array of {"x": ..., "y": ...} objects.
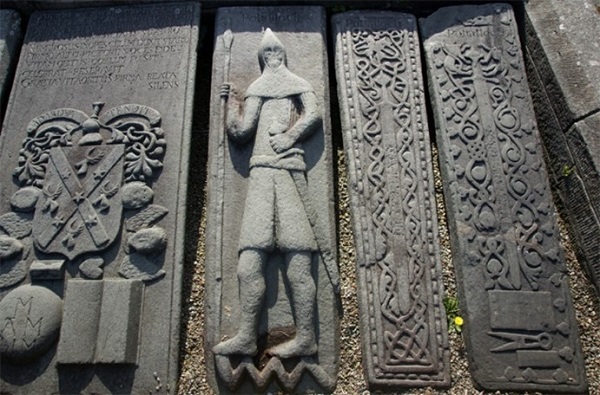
[
  {"x": 297, "y": 347},
  {"x": 238, "y": 345}
]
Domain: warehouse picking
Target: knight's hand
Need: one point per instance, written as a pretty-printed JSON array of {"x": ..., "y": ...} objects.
[
  {"x": 226, "y": 90},
  {"x": 281, "y": 142}
]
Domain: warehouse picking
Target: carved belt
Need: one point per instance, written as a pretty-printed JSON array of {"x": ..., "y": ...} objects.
[{"x": 290, "y": 160}]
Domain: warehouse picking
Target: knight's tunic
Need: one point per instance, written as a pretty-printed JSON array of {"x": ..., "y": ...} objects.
[{"x": 274, "y": 214}]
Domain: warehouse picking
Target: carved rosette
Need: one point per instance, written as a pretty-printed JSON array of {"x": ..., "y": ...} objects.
[
  {"x": 388, "y": 157},
  {"x": 508, "y": 256}
]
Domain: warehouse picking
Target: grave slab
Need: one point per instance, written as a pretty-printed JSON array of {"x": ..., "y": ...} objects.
[
  {"x": 386, "y": 140},
  {"x": 271, "y": 272},
  {"x": 10, "y": 39},
  {"x": 93, "y": 180},
  {"x": 510, "y": 269}
]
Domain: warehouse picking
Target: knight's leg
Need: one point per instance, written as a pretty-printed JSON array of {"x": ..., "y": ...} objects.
[
  {"x": 304, "y": 292},
  {"x": 252, "y": 293}
]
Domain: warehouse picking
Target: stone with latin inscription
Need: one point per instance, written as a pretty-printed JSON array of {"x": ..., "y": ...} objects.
[
  {"x": 520, "y": 328},
  {"x": 10, "y": 39},
  {"x": 94, "y": 144},
  {"x": 272, "y": 279},
  {"x": 386, "y": 140}
]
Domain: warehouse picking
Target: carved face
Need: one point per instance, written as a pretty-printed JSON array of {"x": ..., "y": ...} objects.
[{"x": 273, "y": 56}]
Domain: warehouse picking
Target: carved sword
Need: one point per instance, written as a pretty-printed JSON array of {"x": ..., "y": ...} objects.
[{"x": 319, "y": 230}]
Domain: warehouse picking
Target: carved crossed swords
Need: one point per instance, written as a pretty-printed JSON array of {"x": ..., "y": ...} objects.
[{"x": 77, "y": 200}]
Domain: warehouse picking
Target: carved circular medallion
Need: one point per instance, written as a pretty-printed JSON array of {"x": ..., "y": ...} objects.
[
  {"x": 136, "y": 195},
  {"x": 30, "y": 318}
]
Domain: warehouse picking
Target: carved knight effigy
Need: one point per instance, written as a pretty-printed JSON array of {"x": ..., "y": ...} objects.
[
  {"x": 274, "y": 212},
  {"x": 520, "y": 329},
  {"x": 283, "y": 257}
]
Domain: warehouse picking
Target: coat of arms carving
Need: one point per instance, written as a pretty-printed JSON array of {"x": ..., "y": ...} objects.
[{"x": 80, "y": 177}]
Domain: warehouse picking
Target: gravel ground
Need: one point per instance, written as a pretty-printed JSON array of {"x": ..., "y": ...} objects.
[{"x": 192, "y": 363}]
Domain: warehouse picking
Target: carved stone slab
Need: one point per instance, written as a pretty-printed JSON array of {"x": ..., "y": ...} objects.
[
  {"x": 271, "y": 309},
  {"x": 386, "y": 140},
  {"x": 93, "y": 179},
  {"x": 10, "y": 38},
  {"x": 520, "y": 329}
]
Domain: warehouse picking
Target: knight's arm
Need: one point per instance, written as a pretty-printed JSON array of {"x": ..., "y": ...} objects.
[
  {"x": 309, "y": 120},
  {"x": 240, "y": 130}
]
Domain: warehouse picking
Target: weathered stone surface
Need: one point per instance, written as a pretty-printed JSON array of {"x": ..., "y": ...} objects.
[
  {"x": 563, "y": 71},
  {"x": 47, "y": 270},
  {"x": 30, "y": 318},
  {"x": 81, "y": 318},
  {"x": 512, "y": 279},
  {"x": 97, "y": 129},
  {"x": 119, "y": 321},
  {"x": 272, "y": 315},
  {"x": 561, "y": 38},
  {"x": 101, "y": 322},
  {"x": 387, "y": 146},
  {"x": 10, "y": 39},
  {"x": 137, "y": 195},
  {"x": 148, "y": 241}
]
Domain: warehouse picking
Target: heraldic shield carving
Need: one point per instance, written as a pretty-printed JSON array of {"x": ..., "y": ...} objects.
[{"x": 78, "y": 173}]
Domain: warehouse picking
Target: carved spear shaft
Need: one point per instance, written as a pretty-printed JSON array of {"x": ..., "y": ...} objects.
[{"x": 227, "y": 42}]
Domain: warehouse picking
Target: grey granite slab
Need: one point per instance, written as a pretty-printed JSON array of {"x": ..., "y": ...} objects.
[
  {"x": 10, "y": 39},
  {"x": 564, "y": 72},
  {"x": 93, "y": 180},
  {"x": 562, "y": 37},
  {"x": 271, "y": 272},
  {"x": 520, "y": 327},
  {"x": 386, "y": 140}
]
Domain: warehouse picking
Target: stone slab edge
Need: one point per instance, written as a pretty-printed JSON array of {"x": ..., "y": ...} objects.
[
  {"x": 558, "y": 37},
  {"x": 476, "y": 316},
  {"x": 379, "y": 373},
  {"x": 572, "y": 155},
  {"x": 10, "y": 38}
]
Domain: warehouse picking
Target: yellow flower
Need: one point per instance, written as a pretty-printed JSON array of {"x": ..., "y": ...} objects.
[{"x": 458, "y": 321}]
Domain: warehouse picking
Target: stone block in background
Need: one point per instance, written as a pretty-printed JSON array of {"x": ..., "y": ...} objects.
[
  {"x": 564, "y": 74},
  {"x": 10, "y": 39},
  {"x": 520, "y": 331},
  {"x": 386, "y": 139},
  {"x": 92, "y": 200},
  {"x": 271, "y": 273}
]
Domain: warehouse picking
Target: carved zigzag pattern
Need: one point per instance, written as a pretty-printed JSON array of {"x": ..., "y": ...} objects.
[{"x": 274, "y": 368}]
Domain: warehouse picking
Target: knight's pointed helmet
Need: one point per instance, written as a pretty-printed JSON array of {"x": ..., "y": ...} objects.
[{"x": 270, "y": 41}]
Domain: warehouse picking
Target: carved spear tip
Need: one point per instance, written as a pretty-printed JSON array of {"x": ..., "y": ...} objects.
[{"x": 228, "y": 39}]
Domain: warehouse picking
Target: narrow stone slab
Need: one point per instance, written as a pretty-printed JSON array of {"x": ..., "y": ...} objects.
[
  {"x": 386, "y": 139},
  {"x": 10, "y": 39},
  {"x": 93, "y": 172},
  {"x": 512, "y": 280},
  {"x": 271, "y": 309}
]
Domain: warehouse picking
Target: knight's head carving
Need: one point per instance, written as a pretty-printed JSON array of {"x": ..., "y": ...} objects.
[
  {"x": 91, "y": 128},
  {"x": 271, "y": 52}
]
